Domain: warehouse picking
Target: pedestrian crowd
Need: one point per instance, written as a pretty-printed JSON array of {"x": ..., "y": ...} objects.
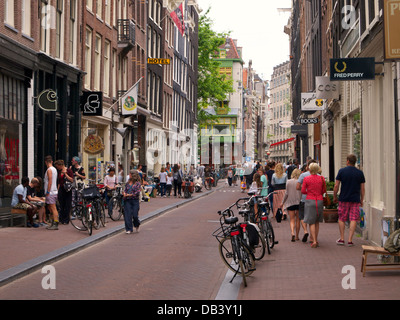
[{"x": 299, "y": 192}]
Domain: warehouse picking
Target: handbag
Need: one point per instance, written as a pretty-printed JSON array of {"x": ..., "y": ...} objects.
[
  {"x": 279, "y": 215},
  {"x": 67, "y": 186}
]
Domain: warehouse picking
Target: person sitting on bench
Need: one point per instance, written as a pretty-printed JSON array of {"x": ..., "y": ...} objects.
[{"x": 19, "y": 201}]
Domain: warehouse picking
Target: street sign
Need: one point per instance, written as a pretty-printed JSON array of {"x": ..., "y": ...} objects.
[
  {"x": 352, "y": 69},
  {"x": 300, "y": 130},
  {"x": 309, "y": 121},
  {"x": 158, "y": 61}
]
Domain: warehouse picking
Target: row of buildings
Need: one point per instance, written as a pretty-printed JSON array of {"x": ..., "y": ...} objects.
[
  {"x": 54, "y": 52},
  {"x": 363, "y": 115}
]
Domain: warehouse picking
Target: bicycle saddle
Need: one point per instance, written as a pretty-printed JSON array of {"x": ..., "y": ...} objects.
[{"x": 231, "y": 220}]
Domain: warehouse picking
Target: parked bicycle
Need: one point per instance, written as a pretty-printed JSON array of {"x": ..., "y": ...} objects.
[
  {"x": 233, "y": 249},
  {"x": 117, "y": 204}
]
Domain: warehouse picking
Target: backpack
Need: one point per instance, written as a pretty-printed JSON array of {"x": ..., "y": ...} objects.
[{"x": 392, "y": 243}]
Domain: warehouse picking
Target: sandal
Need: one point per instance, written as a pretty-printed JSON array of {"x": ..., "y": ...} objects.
[
  {"x": 314, "y": 245},
  {"x": 293, "y": 239},
  {"x": 305, "y": 237}
]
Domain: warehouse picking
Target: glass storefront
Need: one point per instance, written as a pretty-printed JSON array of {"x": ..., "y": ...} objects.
[{"x": 12, "y": 118}]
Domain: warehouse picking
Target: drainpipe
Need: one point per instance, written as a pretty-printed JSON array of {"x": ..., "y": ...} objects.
[{"x": 397, "y": 141}]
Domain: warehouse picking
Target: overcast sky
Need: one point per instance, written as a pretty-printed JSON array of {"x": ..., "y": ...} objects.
[{"x": 258, "y": 27}]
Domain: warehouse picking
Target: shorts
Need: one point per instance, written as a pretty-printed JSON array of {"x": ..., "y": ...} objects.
[
  {"x": 51, "y": 199},
  {"x": 293, "y": 208},
  {"x": 349, "y": 211}
]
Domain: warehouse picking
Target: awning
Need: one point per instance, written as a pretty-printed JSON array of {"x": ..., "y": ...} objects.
[{"x": 281, "y": 142}]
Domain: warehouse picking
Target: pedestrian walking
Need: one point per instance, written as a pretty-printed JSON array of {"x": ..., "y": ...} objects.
[
  {"x": 306, "y": 173},
  {"x": 292, "y": 200},
  {"x": 163, "y": 182},
  {"x": 278, "y": 182},
  {"x": 351, "y": 182},
  {"x": 269, "y": 173},
  {"x": 168, "y": 186},
  {"x": 131, "y": 197},
  {"x": 65, "y": 178},
  {"x": 177, "y": 180},
  {"x": 110, "y": 183},
  {"x": 230, "y": 176},
  {"x": 314, "y": 187},
  {"x": 50, "y": 187}
]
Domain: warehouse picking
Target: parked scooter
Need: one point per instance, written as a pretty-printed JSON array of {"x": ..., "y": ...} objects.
[{"x": 198, "y": 184}]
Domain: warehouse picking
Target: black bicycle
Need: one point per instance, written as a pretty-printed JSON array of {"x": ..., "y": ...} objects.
[
  {"x": 264, "y": 223},
  {"x": 117, "y": 204},
  {"x": 233, "y": 249}
]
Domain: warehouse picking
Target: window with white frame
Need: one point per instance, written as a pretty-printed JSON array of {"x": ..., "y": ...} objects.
[
  {"x": 99, "y": 9},
  {"x": 72, "y": 31},
  {"x": 88, "y": 57},
  {"x": 107, "y": 12},
  {"x": 106, "y": 68},
  {"x": 26, "y": 17},
  {"x": 97, "y": 62},
  {"x": 59, "y": 28},
  {"x": 9, "y": 12}
]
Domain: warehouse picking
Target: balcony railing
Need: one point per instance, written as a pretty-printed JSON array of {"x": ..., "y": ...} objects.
[{"x": 126, "y": 33}]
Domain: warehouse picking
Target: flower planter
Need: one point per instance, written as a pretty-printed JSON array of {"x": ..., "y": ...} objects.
[{"x": 330, "y": 215}]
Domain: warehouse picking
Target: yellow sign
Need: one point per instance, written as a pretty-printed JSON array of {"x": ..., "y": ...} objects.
[
  {"x": 157, "y": 61},
  {"x": 392, "y": 29}
]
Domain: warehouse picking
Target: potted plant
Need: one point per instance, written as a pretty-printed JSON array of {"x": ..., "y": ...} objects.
[{"x": 330, "y": 209}]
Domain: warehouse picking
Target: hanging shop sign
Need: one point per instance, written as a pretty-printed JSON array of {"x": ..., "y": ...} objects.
[
  {"x": 309, "y": 102},
  {"x": 47, "y": 100},
  {"x": 286, "y": 123},
  {"x": 309, "y": 121},
  {"x": 158, "y": 61},
  {"x": 92, "y": 103},
  {"x": 326, "y": 89},
  {"x": 391, "y": 17},
  {"x": 352, "y": 69},
  {"x": 300, "y": 130},
  {"x": 93, "y": 144}
]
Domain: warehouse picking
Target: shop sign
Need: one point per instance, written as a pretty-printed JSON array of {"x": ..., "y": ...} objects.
[
  {"x": 391, "y": 17},
  {"x": 286, "y": 123},
  {"x": 158, "y": 61},
  {"x": 47, "y": 100},
  {"x": 309, "y": 121},
  {"x": 326, "y": 89},
  {"x": 300, "y": 130},
  {"x": 352, "y": 69},
  {"x": 92, "y": 103},
  {"x": 309, "y": 102},
  {"x": 93, "y": 144}
]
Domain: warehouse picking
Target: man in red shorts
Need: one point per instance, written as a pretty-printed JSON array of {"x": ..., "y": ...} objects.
[{"x": 351, "y": 182}]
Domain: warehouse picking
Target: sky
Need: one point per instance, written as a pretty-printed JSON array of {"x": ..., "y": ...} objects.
[{"x": 258, "y": 27}]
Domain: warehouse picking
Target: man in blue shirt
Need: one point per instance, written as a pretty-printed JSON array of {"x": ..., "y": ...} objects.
[
  {"x": 19, "y": 201},
  {"x": 351, "y": 182}
]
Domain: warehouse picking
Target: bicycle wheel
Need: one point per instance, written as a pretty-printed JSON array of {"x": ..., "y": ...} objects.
[
  {"x": 229, "y": 258},
  {"x": 76, "y": 218},
  {"x": 96, "y": 214},
  {"x": 102, "y": 213},
  {"x": 116, "y": 213},
  {"x": 246, "y": 262},
  {"x": 259, "y": 249},
  {"x": 87, "y": 219},
  {"x": 270, "y": 234},
  {"x": 264, "y": 231}
]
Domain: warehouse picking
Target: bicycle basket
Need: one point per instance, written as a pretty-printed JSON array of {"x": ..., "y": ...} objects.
[
  {"x": 221, "y": 232},
  {"x": 91, "y": 193}
]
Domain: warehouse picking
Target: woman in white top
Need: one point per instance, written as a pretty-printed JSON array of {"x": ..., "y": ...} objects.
[
  {"x": 292, "y": 199},
  {"x": 163, "y": 181},
  {"x": 110, "y": 183}
]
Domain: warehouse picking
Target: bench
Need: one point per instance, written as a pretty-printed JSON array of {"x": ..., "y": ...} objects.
[
  {"x": 377, "y": 266},
  {"x": 18, "y": 212}
]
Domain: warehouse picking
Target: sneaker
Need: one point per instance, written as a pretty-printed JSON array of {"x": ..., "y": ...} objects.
[
  {"x": 350, "y": 244},
  {"x": 128, "y": 232},
  {"x": 340, "y": 242}
]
